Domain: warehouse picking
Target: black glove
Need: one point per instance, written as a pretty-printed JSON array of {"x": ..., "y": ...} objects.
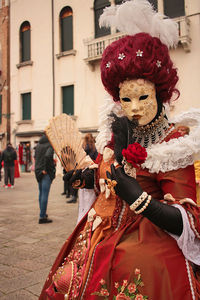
[
  {"x": 164, "y": 216},
  {"x": 85, "y": 178},
  {"x": 127, "y": 187},
  {"x": 68, "y": 175}
]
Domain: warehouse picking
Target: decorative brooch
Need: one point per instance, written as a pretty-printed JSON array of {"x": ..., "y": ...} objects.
[
  {"x": 139, "y": 53},
  {"x": 158, "y": 63},
  {"x": 121, "y": 56},
  {"x": 108, "y": 64}
]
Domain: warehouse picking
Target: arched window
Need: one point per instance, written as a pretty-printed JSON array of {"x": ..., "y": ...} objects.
[
  {"x": 99, "y": 5},
  {"x": 174, "y": 8},
  {"x": 25, "y": 41},
  {"x": 66, "y": 28}
]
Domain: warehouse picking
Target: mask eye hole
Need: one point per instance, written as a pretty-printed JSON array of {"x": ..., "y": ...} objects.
[
  {"x": 143, "y": 97},
  {"x": 125, "y": 99}
]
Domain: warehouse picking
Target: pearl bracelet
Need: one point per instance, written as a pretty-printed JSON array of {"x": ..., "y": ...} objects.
[
  {"x": 139, "y": 200},
  {"x": 137, "y": 212}
]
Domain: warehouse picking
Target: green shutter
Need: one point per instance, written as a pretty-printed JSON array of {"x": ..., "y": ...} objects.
[
  {"x": 0, "y": 109},
  {"x": 174, "y": 8},
  {"x": 67, "y": 33},
  {"x": 26, "y": 106},
  {"x": 25, "y": 43},
  {"x": 68, "y": 99}
]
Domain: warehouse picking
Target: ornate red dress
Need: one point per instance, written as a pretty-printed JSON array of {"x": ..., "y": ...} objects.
[{"x": 116, "y": 254}]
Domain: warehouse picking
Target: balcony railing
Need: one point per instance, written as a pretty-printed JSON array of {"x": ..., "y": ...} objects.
[
  {"x": 95, "y": 47},
  {"x": 184, "y": 33}
]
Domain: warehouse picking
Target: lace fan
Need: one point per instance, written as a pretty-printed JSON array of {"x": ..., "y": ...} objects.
[{"x": 66, "y": 141}]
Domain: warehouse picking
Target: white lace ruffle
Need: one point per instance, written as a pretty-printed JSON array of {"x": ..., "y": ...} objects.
[
  {"x": 177, "y": 153},
  {"x": 86, "y": 199},
  {"x": 188, "y": 242}
]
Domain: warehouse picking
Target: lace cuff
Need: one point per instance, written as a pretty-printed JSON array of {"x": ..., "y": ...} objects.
[{"x": 188, "y": 242}]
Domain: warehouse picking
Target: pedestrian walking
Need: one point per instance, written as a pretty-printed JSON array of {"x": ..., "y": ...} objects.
[
  {"x": 8, "y": 158},
  {"x": 87, "y": 196},
  {"x": 45, "y": 173}
]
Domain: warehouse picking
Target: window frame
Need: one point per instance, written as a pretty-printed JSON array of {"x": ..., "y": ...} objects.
[
  {"x": 65, "y": 27},
  {"x": 23, "y": 118},
  {"x": 176, "y": 14},
  {"x": 23, "y": 51},
  {"x": 71, "y": 113},
  {"x": 100, "y": 32}
]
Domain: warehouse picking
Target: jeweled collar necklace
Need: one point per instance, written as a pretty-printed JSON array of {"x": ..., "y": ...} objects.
[{"x": 152, "y": 133}]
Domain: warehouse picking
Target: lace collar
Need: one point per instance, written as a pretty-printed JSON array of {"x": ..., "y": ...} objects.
[
  {"x": 176, "y": 153},
  {"x": 153, "y": 133}
]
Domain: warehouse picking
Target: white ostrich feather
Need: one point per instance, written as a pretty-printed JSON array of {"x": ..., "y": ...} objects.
[
  {"x": 137, "y": 16},
  {"x": 105, "y": 121}
]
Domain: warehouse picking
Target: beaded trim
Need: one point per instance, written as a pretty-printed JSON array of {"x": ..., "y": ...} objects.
[
  {"x": 139, "y": 200},
  {"x": 137, "y": 212},
  {"x": 91, "y": 263},
  {"x": 152, "y": 133},
  {"x": 190, "y": 279},
  {"x": 121, "y": 216}
]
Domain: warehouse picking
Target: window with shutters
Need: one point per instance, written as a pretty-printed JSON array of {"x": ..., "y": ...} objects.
[
  {"x": 68, "y": 99},
  {"x": 25, "y": 41},
  {"x": 99, "y": 6},
  {"x": 0, "y": 109},
  {"x": 26, "y": 106},
  {"x": 174, "y": 8},
  {"x": 66, "y": 29}
]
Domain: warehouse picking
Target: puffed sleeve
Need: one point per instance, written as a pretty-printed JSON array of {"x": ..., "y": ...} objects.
[{"x": 179, "y": 189}]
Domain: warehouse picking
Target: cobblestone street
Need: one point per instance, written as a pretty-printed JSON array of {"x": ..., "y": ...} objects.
[{"x": 27, "y": 249}]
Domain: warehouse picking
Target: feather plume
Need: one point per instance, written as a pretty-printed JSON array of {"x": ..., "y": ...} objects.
[
  {"x": 137, "y": 16},
  {"x": 66, "y": 140}
]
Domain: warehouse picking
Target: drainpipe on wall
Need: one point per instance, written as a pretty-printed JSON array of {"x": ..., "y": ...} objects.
[{"x": 53, "y": 57}]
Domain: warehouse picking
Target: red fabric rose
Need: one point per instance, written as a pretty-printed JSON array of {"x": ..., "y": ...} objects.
[{"x": 135, "y": 154}]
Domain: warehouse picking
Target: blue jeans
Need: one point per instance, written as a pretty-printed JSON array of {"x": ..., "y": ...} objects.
[{"x": 44, "y": 188}]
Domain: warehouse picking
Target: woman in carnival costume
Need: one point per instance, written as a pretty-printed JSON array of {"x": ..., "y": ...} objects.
[{"x": 140, "y": 239}]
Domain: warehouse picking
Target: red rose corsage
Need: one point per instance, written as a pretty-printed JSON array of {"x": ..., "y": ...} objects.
[{"x": 134, "y": 156}]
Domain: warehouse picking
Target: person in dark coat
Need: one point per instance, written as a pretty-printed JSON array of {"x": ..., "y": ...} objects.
[
  {"x": 9, "y": 156},
  {"x": 44, "y": 173}
]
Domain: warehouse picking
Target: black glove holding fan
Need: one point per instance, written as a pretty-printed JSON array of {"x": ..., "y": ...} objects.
[
  {"x": 80, "y": 179},
  {"x": 164, "y": 216}
]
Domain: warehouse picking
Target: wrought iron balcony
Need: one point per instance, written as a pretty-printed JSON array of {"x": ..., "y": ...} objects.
[{"x": 95, "y": 47}]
